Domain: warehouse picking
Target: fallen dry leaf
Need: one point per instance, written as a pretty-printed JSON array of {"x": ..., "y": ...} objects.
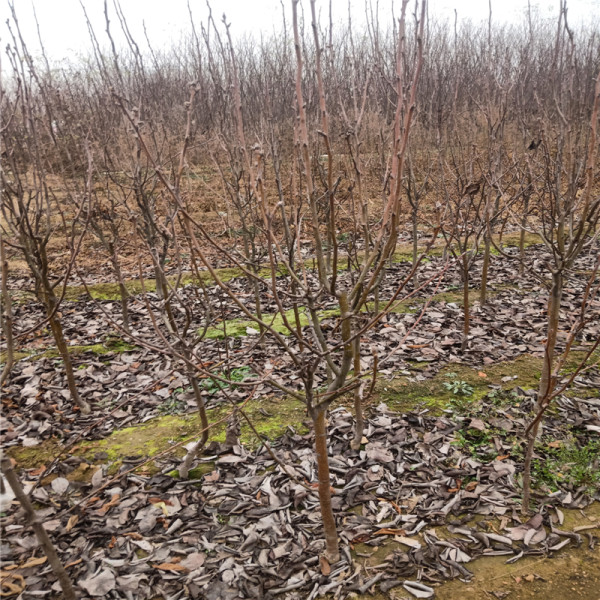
[
  {"x": 390, "y": 532},
  {"x": 73, "y": 519},
  {"x": 34, "y": 562},
  {"x": 170, "y": 567},
  {"x": 325, "y": 566}
]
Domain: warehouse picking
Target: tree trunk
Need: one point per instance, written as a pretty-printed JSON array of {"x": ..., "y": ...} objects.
[
  {"x": 162, "y": 291},
  {"x": 522, "y": 237},
  {"x": 186, "y": 465},
  {"x": 466, "y": 309},
  {"x": 123, "y": 293},
  {"x": 332, "y": 552},
  {"x": 7, "y": 318},
  {"x": 527, "y": 468},
  {"x": 63, "y": 350},
  {"x": 484, "y": 269},
  {"x": 546, "y": 379},
  {"x": 358, "y": 407},
  {"x": 38, "y": 528},
  {"x": 415, "y": 246},
  {"x": 554, "y": 300}
]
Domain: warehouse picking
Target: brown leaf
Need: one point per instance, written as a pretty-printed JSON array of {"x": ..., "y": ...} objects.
[
  {"x": 100, "y": 584},
  {"x": 71, "y": 522},
  {"x": 73, "y": 563},
  {"x": 8, "y": 585},
  {"x": 386, "y": 531},
  {"x": 34, "y": 562},
  {"x": 325, "y": 566},
  {"x": 170, "y": 567},
  {"x": 194, "y": 561},
  {"x": 477, "y": 424},
  {"x": 212, "y": 477},
  {"x": 106, "y": 507},
  {"x": 159, "y": 501}
]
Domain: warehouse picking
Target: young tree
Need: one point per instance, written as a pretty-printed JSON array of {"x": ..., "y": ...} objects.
[
  {"x": 33, "y": 216},
  {"x": 568, "y": 207}
]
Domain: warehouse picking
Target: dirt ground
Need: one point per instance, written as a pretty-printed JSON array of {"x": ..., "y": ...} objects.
[
  {"x": 573, "y": 573},
  {"x": 570, "y": 574}
]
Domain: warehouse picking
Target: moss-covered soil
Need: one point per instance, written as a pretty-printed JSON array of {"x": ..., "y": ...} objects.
[
  {"x": 110, "y": 291},
  {"x": 111, "y": 345},
  {"x": 403, "y": 393},
  {"x": 272, "y": 415}
]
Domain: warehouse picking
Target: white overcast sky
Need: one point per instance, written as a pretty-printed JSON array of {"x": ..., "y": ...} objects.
[{"x": 65, "y": 35}]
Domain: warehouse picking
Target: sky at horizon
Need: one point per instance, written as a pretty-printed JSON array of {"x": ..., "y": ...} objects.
[{"x": 65, "y": 36}]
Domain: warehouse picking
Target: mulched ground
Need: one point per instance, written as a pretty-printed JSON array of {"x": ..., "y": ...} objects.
[{"x": 247, "y": 530}]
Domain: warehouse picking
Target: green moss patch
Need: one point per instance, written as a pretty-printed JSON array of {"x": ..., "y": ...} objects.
[
  {"x": 111, "y": 291},
  {"x": 16, "y": 355},
  {"x": 109, "y": 346},
  {"x": 405, "y": 395},
  {"x": 271, "y": 416},
  {"x": 238, "y": 327}
]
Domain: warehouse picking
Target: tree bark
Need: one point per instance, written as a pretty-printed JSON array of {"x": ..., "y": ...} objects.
[
  {"x": 186, "y": 465},
  {"x": 38, "y": 528},
  {"x": 484, "y": 269},
  {"x": 63, "y": 350},
  {"x": 7, "y": 318},
  {"x": 554, "y": 300},
  {"x": 332, "y": 552},
  {"x": 527, "y": 468},
  {"x": 358, "y": 407},
  {"x": 466, "y": 309}
]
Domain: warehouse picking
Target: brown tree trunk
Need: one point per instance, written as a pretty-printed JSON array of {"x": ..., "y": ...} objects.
[
  {"x": 186, "y": 465},
  {"x": 63, "y": 350},
  {"x": 484, "y": 269},
  {"x": 38, "y": 528},
  {"x": 358, "y": 407},
  {"x": 466, "y": 309},
  {"x": 546, "y": 379},
  {"x": 552, "y": 333},
  {"x": 415, "y": 246},
  {"x": 7, "y": 318},
  {"x": 522, "y": 237},
  {"x": 124, "y": 294},
  {"x": 332, "y": 552},
  {"x": 527, "y": 468}
]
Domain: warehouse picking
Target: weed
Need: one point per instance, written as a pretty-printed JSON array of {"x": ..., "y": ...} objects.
[
  {"x": 212, "y": 386},
  {"x": 460, "y": 391},
  {"x": 571, "y": 466},
  {"x": 501, "y": 397},
  {"x": 479, "y": 444},
  {"x": 458, "y": 387},
  {"x": 459, "y": 404},
  {"x": 173, "y": 405}
]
